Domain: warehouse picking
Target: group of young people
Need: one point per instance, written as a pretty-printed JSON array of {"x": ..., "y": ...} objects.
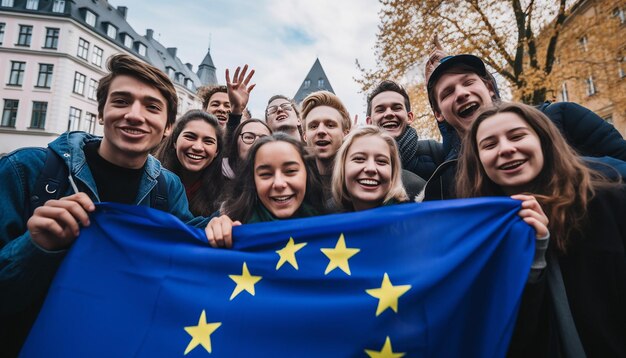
[{"x": 564, "y": 164}]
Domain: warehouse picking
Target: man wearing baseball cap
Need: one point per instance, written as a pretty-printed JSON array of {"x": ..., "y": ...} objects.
[{"x": 460, "y": 86}]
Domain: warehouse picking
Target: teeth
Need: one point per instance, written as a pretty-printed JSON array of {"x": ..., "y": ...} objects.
[
  {"x": 194, "y": 156},
  {"x": 390, "y": 125},
  {"x": 468, "y": 109},
  {"x": 282, "y": 198},
  {"x": 132, "y": 131},
  {"x": 368, "y": 182},
  {"x": 512, "y": 164}
]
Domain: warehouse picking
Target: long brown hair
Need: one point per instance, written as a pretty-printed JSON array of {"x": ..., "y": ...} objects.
[
  {"x": 205, "y": 202},
  {"x": 563, "y": 187}
]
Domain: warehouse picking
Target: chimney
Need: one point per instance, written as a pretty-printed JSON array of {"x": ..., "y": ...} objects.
[
  {"x": 149, "y": 34},
  {"x": 122, "y": 10},
  {"x": 172, "y": 51},
  {"x": 189, "y": 66}
]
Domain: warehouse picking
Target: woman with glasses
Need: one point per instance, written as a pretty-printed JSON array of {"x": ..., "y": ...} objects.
[
  {"x": 282, "y": 115},
  {"x": 243, "y": 138},
  {"x": 277, "y": 182},
  {"x": 194, "y": 152}
]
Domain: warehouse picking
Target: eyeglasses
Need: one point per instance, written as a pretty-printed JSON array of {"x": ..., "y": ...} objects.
[
  {"x": 249, "y": 137},
  {"x": 287, "y": 107}
]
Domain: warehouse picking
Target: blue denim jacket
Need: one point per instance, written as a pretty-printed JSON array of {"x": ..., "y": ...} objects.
[{"x": 26, "y": 270}]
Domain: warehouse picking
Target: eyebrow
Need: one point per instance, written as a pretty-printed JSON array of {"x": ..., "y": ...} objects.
[
  {"x": 267, "y": 166},
  {"x": 128, "y": 94},
  {"x": 507, "y": 132}
]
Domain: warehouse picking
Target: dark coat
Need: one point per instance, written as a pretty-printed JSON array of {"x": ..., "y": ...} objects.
[
  {"x": 585, "y": 131},
  {"x": 594, "y": 275}
]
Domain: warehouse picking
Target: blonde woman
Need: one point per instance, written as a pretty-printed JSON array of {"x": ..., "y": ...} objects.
[{"x": 367, "y": 172}]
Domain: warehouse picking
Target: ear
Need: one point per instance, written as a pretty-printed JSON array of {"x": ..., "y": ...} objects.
[
  {"x": 409, "y": 117},
  {"x": 439, "y": 117},
  {"x": 100, "y": 120},
  {"x": 368, "y": 120},
  {"x": 304, "y": 135},
  {"x": 167, "y": 131}
]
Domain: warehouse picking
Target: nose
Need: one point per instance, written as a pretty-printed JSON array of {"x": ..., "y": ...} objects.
[
  {"x": 134, "y": 112},
  {"x": 506, "y": 148},
  {"x": 370, "y": 166},
  {"x": 197, "y": 145},
  {"x": 388, "y": 112},
  {"x": 279, "y": 182},
  {"x": 461, "y": 93}
]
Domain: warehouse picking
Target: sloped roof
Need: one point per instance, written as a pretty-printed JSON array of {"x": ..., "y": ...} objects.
[{"x": 315, "y": 80}]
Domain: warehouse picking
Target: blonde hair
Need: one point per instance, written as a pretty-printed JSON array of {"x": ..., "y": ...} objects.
[
  {"x": 341, "y": 197},
  {"x": 325, "y": 98}
]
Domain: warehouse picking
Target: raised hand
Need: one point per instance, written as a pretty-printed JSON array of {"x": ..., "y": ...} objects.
[
  {"x": 435, "y": 55},
  {"x": 239, "y": 89},
  {"x": 56, "y": 224}
]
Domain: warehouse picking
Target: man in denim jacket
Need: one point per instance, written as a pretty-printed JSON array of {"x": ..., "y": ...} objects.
[{"x": 137, "y": 106}]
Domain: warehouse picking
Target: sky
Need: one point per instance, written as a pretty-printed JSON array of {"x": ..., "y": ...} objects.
[{"x": 279, "y": 39}]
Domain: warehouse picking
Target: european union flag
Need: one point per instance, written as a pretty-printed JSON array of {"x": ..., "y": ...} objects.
[{"x": 435, "y": 279}]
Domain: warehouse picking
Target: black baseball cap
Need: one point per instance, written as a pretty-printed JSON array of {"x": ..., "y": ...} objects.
[{"x": 450, "y": 61}]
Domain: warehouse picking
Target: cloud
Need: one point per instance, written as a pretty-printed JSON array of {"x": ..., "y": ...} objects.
[{"x": 279, "y": 39}]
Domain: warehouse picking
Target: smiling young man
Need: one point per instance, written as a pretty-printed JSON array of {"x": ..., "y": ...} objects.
[
  {"x": 281, "y": 115},
  {"x": 137, "y": 106},
  {"x": 388, "y": 107},
  {"x": 460, "y": 86}
]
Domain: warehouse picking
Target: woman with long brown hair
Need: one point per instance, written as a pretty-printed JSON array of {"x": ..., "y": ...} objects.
[{"x": 514, "y": 149}]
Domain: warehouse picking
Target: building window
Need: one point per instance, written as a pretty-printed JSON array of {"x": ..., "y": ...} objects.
[
  {"x": 169, "y": 71},
  {"x": 59, "y": 6},
  {"x": 44, "y": 79},
  {"x": 96, "y": 59},
  {"x": 9, "y": 113},
  {"x": 90, "y": 18},
  {"x": 320, "y": 83},
  {"x": 26, "y": 33},
  {"x": 619, "y": 13},
  {"x": 32, "y": 4},
  {"x": 90, "y": 123},
  {"x": 307, "y": 84},
  {"x": 141, "y": 49},
  {"x": 128, "y": 41},
  {"x": 79, "y": 83},
  {"x": 564, "y": 93},
  {"x": 52, "y": 38},
  {"x": 83, "y": 48},
  {"x": 7, "y": 3},
  {"x": 180, "y": 78},
  {"x": 93, "y": 88},
  {"x": 38, "y": 119},
  {"x": 583, "y": 42},
  {"x": 17, "y": 73},
  {"x": 73, "y": 123},
  {"x": 591, "y": 87},
  {"x": 189, "y": 84},
  {"x": 2, "y": 26},
  {"x": 111, "y": 31}
]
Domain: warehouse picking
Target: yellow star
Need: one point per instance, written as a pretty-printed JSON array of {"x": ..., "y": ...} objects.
[
  {"x": 386, "y": 352},
  {"x": 288, "y": 254},
  {"x": 387, "y": 295},
  {"x": 339, "y": 256},
  {"x": 201, "y": 334},
  {"x": 245, "y": 281}
]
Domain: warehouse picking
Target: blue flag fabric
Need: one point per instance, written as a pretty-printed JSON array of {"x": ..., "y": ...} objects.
[{"x": 440, "y": 279}]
